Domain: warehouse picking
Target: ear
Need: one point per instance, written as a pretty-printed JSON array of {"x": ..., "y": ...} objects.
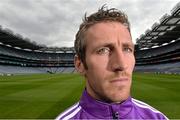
[{"x": 79, "y": 65}]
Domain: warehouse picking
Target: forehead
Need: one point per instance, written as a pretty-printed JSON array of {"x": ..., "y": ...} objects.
[{"x": 107, "y": 32}]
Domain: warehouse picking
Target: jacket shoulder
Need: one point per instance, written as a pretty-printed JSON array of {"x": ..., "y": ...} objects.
[
  {"x": 146, "y": 111},
  {"x": 69, "y": 113}
]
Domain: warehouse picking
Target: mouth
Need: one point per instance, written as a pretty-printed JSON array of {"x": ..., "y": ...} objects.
[{"x": 119, "y": 80}]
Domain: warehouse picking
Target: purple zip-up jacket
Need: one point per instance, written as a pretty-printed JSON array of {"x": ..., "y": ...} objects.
[{"x": 89, "y": 108}]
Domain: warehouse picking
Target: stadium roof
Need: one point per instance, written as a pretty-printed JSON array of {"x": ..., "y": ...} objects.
[
  {"x": 58, "y": 50},
  {"x": 164, "y": 31},
  {"x": 7, "y": 37}
]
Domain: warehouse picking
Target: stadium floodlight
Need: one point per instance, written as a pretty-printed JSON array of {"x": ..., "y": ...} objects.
[
  {"x": 156, "y": 46},
  {"x": 27, "y": 49},
  {"x": 17, "y": 48},
  {"x": 164, "y": 44},
  {"x": 37, "y": 51},
  {"x": 164, "y": 18},
  {"x": 156, "y": 24},
  {"x": 8, "y": 45},
  {"x": 144, "y": 48},
  {"x": 175, "y": 9},
  {"x": 172, "y": 41}
]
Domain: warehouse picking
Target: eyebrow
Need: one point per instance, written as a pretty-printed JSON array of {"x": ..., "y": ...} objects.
[
  {"x": 105, "y": 45},
  {"x": 129, "y": 45}
]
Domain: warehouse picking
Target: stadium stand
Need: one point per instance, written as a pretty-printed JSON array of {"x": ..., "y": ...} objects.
[
  {"x": 17, "y": 56},
  {"x": 158, "y": 50},
  {"x": 5, "y": 70}
]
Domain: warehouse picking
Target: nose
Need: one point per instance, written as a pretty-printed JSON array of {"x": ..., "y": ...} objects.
[{"x": 118, "y": 61}]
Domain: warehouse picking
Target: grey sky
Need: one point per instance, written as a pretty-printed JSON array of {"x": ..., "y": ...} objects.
[{"x": 55, "y": 22}]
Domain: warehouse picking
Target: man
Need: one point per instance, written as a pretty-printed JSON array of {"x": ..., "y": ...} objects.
[{"x": 105, "y": 57}]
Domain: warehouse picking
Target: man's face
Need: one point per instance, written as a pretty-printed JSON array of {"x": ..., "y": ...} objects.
[{"x": 110, "y": 61}]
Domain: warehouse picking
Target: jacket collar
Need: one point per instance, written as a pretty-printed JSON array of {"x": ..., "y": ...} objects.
[{"x": 101, "y": 109}]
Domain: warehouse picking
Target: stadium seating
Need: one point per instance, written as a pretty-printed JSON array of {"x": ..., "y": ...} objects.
[
  {"x": 4, "y": 70},
  {"x": 160, "y": 68},
  {"x": 158, "y": 49}
]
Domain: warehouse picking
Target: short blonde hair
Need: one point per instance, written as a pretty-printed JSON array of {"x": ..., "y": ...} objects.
[{"x": 102, "y": 15}]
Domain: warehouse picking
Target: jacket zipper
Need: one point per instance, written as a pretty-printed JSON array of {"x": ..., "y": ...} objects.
[{"x": 115, "y": 114}]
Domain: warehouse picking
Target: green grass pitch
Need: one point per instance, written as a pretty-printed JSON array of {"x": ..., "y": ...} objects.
[{"x": 44, "y": 96}]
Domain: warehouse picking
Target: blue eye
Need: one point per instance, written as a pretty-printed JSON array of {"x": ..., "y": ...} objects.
[
  {"x": 103, "y": 50},
  {"x": 127, "y": 49}
]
